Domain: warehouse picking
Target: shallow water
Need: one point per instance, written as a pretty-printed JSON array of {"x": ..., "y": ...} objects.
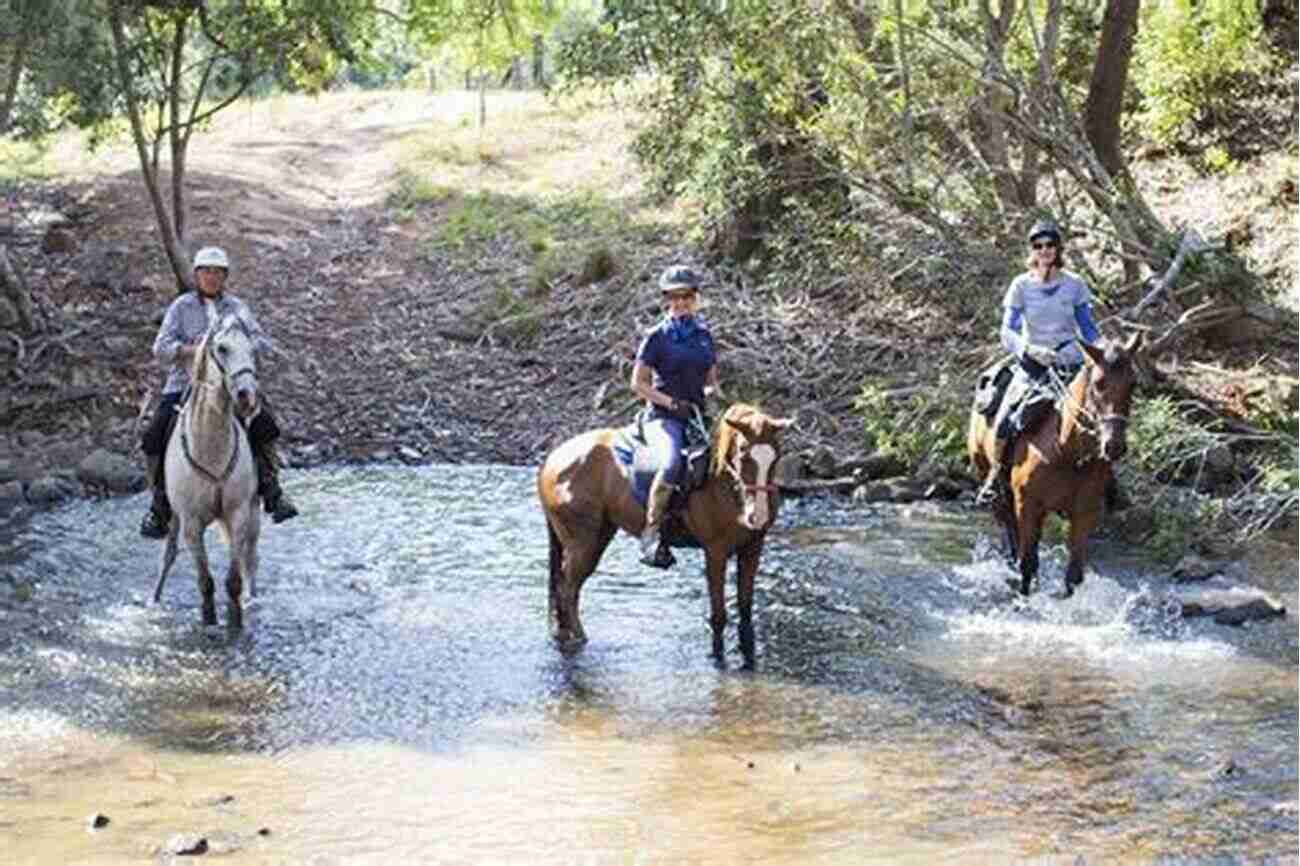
[{"x": 395, "y": 698}]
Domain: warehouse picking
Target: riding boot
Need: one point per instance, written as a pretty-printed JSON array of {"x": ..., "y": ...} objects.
[
  {"x": 274, "y": 499},
  {"x": 654, "y": 550},
  {"x": 994, "y": 484},
  {"x": 155, "y": 523}
]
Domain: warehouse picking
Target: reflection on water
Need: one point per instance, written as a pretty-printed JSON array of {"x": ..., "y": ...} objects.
[{"x": 396, "y": 699}]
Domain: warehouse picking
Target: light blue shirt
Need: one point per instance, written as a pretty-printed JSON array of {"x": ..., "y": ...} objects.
[
  {"x": 186, "y": 321},
  {"x": 1048, "y": 314}
]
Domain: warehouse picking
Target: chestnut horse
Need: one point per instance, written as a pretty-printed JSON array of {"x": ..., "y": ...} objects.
[
  {"x": 587, "y": 497},
  {"x": 1064, "y": 462}
]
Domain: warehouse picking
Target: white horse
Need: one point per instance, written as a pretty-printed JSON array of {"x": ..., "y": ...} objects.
[{"x": 209, "y": 468}]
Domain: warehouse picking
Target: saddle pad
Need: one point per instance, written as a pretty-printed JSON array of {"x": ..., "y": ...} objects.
[{"x": 636, "y": 461}]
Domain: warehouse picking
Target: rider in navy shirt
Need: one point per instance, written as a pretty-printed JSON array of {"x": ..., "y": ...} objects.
[{"x": 676, "y": 368}]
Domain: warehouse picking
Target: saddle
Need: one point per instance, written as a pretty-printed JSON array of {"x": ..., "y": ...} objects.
[
  {"x": 991, "y": 386},
  {"x": 633, "y": 453}
]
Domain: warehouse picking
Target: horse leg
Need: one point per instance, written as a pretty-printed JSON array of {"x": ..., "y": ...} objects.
[
  {"x": 580, "y": 560},
  {"x": 715, "y": 566},
  {"x": 1030, "y": 519},
  {"x": 1004, "y": 514},
  {"x": 207, "y": 586},
  {"x": 1081, "y": 526},
  {"x": 234, "y": 587},
  {"x": 746, "y": 567},
  {"x": 167, "y": 558},
  {"x": 554, "y": 577}
]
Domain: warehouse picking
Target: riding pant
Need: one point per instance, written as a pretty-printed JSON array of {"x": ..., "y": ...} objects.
[
  {"x": 261, "y": 429},
  {"x": 666, "y": 437}
]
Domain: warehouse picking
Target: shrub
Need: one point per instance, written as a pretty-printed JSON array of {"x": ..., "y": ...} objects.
[{"x": 928, "y": 426}]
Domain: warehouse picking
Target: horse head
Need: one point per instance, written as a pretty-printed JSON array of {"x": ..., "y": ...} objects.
[
  {"x": 746, "y": 447},
  {"x": 1109, "y": 397},
  {"x": 227, "y": 347}
]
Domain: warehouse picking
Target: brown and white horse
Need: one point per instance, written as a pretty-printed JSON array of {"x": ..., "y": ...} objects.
[
  {"x": 587, "y": 497},
  {"x": 210, "y": 473}
]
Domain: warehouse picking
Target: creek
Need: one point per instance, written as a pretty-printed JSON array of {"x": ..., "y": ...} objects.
[{"x": 395, "y": 698}]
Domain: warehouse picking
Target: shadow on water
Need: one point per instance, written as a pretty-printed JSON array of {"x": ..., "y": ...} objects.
[{"x": 400, "y": 634}]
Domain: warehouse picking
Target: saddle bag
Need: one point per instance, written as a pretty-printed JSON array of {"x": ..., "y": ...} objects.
[{"x": 992, "y": 385}]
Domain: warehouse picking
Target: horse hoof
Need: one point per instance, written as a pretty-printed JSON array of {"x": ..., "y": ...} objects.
[{"x": 569, "y": 643}]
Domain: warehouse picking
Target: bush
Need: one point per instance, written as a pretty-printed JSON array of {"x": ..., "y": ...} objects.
[{"x": 928, "y": 426}]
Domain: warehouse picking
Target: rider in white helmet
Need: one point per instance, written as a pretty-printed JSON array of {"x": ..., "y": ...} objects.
[{"x": 183, "y": 327}]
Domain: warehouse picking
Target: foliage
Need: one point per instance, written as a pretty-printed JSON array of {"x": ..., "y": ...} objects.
[
  {"x": 928, "y": 426},
  {"x": 1163, "y": 439},
  {"x": 1193, "y": 61}
]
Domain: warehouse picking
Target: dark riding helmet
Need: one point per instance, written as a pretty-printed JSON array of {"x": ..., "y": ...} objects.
[
  {"x": 678, "y": 277},
  {"x": 1045, "y": 229}
]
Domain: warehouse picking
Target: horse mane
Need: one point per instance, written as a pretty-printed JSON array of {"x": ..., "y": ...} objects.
[{"x": 724, "y": 435}]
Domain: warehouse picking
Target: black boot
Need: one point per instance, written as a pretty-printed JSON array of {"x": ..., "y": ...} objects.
[
  {"x": 274, "y": 500},
  {"x": 159, "y": 518}
]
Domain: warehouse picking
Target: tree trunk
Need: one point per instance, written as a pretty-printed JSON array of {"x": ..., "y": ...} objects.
[
  {"x": 17, "y": 63},
  {"x": 539, "y": 62},
  {"x": 15, "y": 289},
  {"x": 148, "y": 167},
  {"x": 1109, "y": 76}
]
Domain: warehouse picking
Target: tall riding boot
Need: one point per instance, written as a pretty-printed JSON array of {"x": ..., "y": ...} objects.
[
  {"x": 274, "y": 500},
  {"x": 155, "y": 523},
  {"x": 993, "y": 482},
  {"x": 653, "y": 551}
]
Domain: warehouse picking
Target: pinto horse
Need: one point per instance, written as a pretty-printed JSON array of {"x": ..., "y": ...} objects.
[
  {"x": 587, "y": 497},
  {"x": 1064, "y": 462},
  {"x": 210, "y": 473}
]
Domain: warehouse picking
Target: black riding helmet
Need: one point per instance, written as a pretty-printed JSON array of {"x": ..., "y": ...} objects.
[
  {"x": 1045, "y": 229},
  {"x": 678, "y": 277}
]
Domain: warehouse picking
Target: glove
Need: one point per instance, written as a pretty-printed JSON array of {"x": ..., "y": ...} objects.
[
  {"x": 1044, "y": 355},
  {"x": 680, "y": 409}
]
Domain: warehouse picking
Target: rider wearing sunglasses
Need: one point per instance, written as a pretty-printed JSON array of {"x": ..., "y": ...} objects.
[
  {"x": 183, "y": 328},
  {"x": 1043, "y": 311}
]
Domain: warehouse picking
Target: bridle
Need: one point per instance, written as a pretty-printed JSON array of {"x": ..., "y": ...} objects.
[
  {"x": 733, "y": 469},
  {"x": 1112, "y": 423},
  {"x": 247, "y": 370},
  {"x": 227, "y": 381}
]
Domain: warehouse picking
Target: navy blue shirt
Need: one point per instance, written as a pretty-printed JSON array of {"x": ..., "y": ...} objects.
[{"x": 680, "y": 353}]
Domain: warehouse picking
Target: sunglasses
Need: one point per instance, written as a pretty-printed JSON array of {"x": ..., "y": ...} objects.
[
  {"x": 678, "y": 296},
  {"x": 1044, "y": 245}
]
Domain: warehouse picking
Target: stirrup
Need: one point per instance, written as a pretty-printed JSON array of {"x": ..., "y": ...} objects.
[
  {"x": 153, "y": 526},
  {"x": 655, "y": 553},
  {"x": 991, "y": 491}
]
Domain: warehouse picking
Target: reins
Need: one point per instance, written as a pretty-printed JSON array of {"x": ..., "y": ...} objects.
[{"x": 218, "y": 479}]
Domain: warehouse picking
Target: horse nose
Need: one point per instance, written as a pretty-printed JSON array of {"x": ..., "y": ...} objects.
[
  {"x": 1115, "y": 448},
  {"x": 247, "y": 399}
]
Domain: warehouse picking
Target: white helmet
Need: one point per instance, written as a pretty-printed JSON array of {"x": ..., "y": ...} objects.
[{"x": 211, "y": 257}]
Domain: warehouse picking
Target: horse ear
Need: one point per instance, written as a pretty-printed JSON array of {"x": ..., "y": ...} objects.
[{"x": 1092, "y": 354}]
